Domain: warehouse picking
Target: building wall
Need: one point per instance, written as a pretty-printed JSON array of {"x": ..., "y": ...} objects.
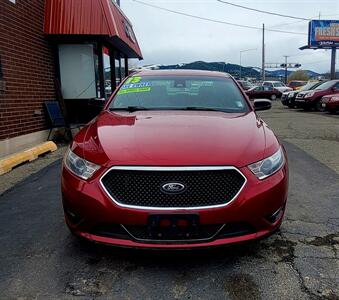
[{"x": 27, "y": 66}]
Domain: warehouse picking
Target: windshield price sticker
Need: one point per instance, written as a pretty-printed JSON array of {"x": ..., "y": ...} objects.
[
  {"x": 134, "y": 90},
  {"x": 135, "y": 85}
]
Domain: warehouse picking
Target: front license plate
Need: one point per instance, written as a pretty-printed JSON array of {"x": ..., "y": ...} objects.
[
  {"x": 323, "y": 104},
  {"x": 173, "y": 226}
]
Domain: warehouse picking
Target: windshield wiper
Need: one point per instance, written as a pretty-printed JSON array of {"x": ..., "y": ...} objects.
[
  {"x": 199, "y": 108},
  {"x": 128, "y": 108}
]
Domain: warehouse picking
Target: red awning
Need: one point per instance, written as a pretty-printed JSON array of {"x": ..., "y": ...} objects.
[{"x": 91, "y": 17}]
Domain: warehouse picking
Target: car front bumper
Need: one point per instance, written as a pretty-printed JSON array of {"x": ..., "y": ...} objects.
[{"x": 87, "y": 205}]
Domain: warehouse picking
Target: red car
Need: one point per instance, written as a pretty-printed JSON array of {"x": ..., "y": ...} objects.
[
  {"x": 311, "y": 99},
  {"x": 265, "y": 92},
  {"x": 330, "y": 103},
  {"x": 296, "y": 84},
  {"x": 176, "y": 159}
]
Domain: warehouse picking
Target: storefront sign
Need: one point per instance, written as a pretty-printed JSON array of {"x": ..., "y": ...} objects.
[{"x": 323, "y": 33}]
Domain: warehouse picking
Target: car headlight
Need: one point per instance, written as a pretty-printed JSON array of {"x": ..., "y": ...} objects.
[
  {"x": 308, "y": 95},
  {"x": 269, "y": 165},
  {"x": 79, "y": 166},
  {"x": 335, "y": 98}
]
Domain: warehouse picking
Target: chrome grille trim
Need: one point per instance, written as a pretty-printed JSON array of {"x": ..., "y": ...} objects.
[{"x": 186, "y": 168}]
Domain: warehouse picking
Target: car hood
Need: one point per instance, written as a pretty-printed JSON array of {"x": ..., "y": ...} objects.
[
  {"x": 175, "y": 138},
  {"x": 283, "y": 89}
]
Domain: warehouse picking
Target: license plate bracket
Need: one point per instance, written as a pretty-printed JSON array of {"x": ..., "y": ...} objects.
[{"x": 173, "y": 226}]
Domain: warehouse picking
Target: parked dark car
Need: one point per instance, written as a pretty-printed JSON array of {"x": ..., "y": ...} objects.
[
  {"x": 311, "y": 99},
  {"x": 330, "y": 103},
  {"x": 176, "y": 159},
  {"x": 246, "y": 85},
  {"x": 266, "y": 92},
  {"x": 288, "y": 98}
]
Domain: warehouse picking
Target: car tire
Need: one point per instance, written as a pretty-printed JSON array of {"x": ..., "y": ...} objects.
[
  {"x": 332, "y": 111},
  {"x": 273, "y": 97},
  {"x": 318, "y": 107},
  {"x": 291, "y": 106}
]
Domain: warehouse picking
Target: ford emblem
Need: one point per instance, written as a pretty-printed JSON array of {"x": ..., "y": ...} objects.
[{"x": 173, "y": 188}]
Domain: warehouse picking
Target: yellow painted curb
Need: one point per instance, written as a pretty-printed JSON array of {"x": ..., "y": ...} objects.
[{"x": 9, "y": 162}]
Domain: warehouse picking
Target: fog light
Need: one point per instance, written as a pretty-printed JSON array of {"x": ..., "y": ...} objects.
[
  {"x": 73, "y": 217},
  {"x": 275, "y": 216}
]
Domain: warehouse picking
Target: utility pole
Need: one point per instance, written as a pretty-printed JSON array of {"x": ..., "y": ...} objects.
[
  {"x": 263, "y": 53},
  {"x": 333, "y": 56},
  {"x": 285, "y": 68}
]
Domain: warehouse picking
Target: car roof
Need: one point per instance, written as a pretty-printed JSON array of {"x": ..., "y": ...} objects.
[
  {"x": 182, "y": 72},
  {"x": 272, "y": 81}
]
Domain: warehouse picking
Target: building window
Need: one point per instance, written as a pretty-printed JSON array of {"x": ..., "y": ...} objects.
[
  {"x": 118, "y": 70},
  {"x": 77, "y": 71},
  {"x": 107, "y": 73}
]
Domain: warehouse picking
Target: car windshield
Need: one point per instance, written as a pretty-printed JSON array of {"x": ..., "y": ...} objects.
[
  {"x": 325, "y": 85},
  {"x": 278, "y": 84},
  {"x": 179, "y": 92},
  {"x": 296, "y": 83},
  {"x": 309, "y": 86}
]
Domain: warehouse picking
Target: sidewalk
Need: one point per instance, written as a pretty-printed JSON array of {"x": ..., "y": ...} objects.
[{"x": 19, "y": 173}]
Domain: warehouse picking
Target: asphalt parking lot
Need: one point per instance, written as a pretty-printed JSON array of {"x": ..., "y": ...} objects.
[{"x": 40, "y": 259}]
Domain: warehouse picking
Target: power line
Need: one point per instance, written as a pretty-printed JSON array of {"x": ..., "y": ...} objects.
[
  {"x": 263, "y": 11},
  {"x": 213, "y": 20},
  {"x": 286, "y": 24}
]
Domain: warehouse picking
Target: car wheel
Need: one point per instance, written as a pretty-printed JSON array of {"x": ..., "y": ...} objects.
[
  {"x": 291, "y": 106},
  {"x": 319, "y": 107},
  {"x": 332, "y": 111},
  {"x": 273, "y": 97}
]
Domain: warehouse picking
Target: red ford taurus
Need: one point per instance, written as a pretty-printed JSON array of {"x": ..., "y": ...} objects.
[{"x": 176, "y": 159}]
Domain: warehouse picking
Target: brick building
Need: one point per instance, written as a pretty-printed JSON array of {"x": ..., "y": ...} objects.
[{"x": 84, "y": 45}]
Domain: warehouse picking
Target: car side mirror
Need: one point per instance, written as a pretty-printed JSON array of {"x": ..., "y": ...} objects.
[{"x": 262, "y": 104}]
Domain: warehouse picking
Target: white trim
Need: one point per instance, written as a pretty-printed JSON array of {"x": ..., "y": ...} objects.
[
  {"x": 188, "y": 168},
  {"x": 174, "y": 241}
]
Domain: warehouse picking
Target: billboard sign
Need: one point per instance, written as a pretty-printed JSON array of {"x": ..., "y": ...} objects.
[{"x": 323, "y": 33}]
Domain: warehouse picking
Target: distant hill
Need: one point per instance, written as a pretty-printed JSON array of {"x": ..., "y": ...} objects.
[{"x": 232, "y": 69}]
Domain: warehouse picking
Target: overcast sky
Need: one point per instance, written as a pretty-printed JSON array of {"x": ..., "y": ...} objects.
[{"x": 167, "y": 38}]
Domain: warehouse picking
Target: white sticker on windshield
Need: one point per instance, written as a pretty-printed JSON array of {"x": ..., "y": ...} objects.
[{"x": 239, "y": 104}]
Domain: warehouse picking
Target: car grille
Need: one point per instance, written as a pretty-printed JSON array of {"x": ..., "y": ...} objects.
[{"x": 203, "y": 187}]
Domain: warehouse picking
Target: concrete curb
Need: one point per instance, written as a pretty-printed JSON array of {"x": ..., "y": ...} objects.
[{"x": 9, "y": 162}]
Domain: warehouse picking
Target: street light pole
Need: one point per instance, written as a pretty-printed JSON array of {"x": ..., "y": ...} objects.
[
  {"x": 241, "y": 51},
  {"x": 285, "y": 68},
  {"x": 263, "y": 53}
]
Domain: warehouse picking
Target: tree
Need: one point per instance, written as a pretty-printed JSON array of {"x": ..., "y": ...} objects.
[{"x": 298, "y": 75}]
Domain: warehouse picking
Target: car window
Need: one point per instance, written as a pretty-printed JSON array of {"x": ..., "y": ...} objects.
[
  {"x": 337, "y": 85},
  {"x": 179, "y": 92},
  {"x": 267, "y": 84},
  {"x": 278, "y": 84},
  {"x": 326, "y": 85}
]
